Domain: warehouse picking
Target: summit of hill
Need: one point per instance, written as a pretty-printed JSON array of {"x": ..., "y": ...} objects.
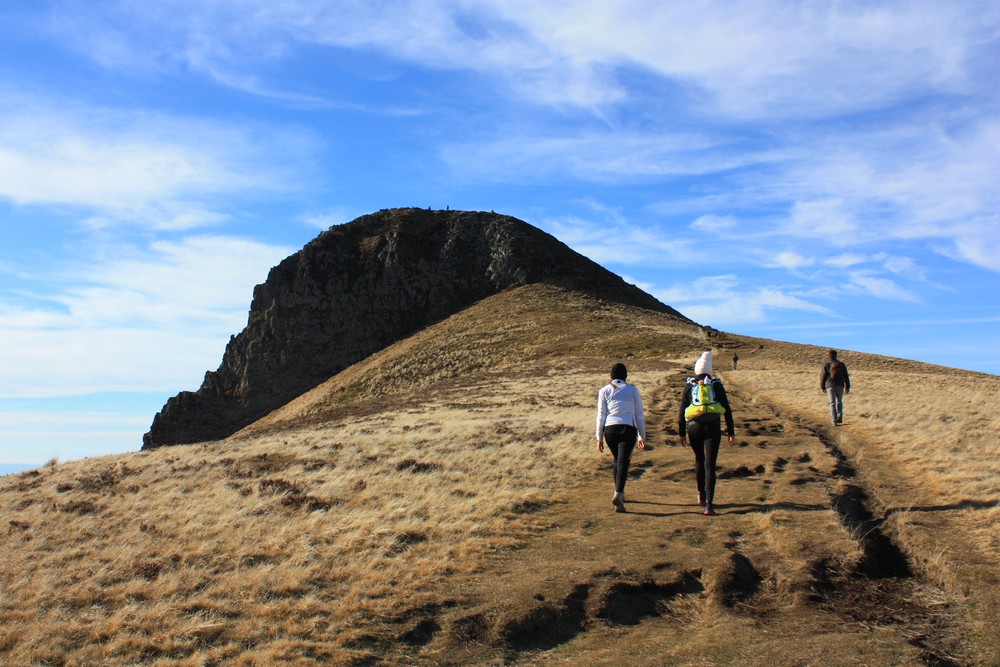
[{"x": 362, "y": 286}]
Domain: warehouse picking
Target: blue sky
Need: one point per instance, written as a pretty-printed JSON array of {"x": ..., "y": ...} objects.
[{"x": 818, "y": 172}]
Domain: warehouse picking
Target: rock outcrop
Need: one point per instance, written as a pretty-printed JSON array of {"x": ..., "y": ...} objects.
[{"x": 360, "y": 287}]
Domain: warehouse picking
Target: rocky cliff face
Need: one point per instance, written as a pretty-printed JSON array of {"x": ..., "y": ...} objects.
[{"x": 358, "y": 288}]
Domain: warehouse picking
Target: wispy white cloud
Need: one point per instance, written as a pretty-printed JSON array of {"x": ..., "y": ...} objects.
[
  {"x": 159, "y": 171},
  {"x": 978, "y": 242},
  {"x": 141, "y": 319},
  {"x": 845, "y": 260},
  {"x": 867, "y": 282},
  {"x": 761, "y": 58},
  {"x": 747, "y": 308},
  {"x": 128, "y": 316},
  {"x": 607, "y": 238},
  {"x": 602, "y": 156},
  {"x": 900, "y": 266},
  {"x": 880, "y": 323},
  {"x": 715, "y": 223},
  {"x": 744, "y": 76},
  {"x": 791, "y": 260},
  {"x": 767, "y": 57},
  {"x": 724, "y": 301},
  {"x": 912, "y": 180},
  {"x": 708, "y": 288},
  {"x": 172, "y": 283},
  {"x": 859, "y": 189},
  {"x": 827, "y": 218}
]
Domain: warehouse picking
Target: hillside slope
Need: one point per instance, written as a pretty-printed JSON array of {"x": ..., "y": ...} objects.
[
  {"x": 442, "y": 503},
  {"x": 360, "y": 287}
]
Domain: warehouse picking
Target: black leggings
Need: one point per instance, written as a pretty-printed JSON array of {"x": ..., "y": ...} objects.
[
  {"x": 621, "y": 439},
  {"x": 705, "y": 438}
]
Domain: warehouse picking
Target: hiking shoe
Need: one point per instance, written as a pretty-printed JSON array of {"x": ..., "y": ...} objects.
[{"x": 709, "y": 511}]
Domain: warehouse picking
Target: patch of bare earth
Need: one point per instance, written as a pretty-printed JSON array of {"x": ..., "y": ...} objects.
[{"x": 794, "y": 569}]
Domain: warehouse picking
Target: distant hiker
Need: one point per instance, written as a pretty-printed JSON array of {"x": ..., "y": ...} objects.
[
  {"x": 736, "y": 360},
  {"x": 835, "y": 382},
  {"x": 620, "y": 423},
  {"x": 703, "y": 405}
]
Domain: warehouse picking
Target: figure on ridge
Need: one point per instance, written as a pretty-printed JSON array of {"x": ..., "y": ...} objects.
[{"x": 834, "y": 381}]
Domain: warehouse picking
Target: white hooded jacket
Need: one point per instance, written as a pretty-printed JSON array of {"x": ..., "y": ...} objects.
[{"x": 620, "y": 403}]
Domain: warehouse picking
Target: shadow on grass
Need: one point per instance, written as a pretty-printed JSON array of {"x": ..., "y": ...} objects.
[
  {"x": 964, "y": 505},
  {"x": 725, "y": 508}
]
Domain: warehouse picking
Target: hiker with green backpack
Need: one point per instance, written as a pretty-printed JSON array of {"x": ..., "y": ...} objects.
[{"x": 703, "y": 405}]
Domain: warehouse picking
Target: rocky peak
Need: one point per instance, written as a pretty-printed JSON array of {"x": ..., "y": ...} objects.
[{"x": 356, "y": 289}]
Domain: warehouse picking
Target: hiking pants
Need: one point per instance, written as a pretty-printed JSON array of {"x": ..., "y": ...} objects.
[
  {"x": 621, "y": 439},
  {"x": 835, "y": 392},
  {"x": 705, "y": 438}
]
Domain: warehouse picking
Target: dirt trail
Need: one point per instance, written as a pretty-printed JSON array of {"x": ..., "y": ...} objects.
[{"x": 794, "y": 569}]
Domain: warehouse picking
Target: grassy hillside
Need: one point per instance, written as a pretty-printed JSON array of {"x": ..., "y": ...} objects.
[{"x": 443, "y": 503}]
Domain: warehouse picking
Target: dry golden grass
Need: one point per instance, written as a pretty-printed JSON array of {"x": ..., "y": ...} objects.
[
  {"x": 443, "y": 503},
  {"x": 223, "y": 551},
  {"x": 939, "y": 427},
  {"x": 925, "y": 438}
]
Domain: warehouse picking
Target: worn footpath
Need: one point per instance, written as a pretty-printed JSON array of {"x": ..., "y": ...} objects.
[{"x": 794, "y": 568}]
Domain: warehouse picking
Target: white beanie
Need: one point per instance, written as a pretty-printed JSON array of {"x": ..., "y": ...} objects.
[{"x": 704, "y": 364}]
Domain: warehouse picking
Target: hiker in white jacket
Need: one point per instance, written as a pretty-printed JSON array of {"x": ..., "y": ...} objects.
[{"x": 620, "y": 423}]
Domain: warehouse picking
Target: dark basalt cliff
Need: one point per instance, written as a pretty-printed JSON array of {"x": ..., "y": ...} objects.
[{"x": 360, "y": 287}]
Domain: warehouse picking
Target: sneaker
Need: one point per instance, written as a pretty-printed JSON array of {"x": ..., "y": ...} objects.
[
  {"x": 709, "y": 511},
  {"x": 619, "y": 502}
]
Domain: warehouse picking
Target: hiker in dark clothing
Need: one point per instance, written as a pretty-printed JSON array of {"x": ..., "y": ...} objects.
[
  {"x": 736, "y": 360},
  {"x": 835, "y": 382},
  {"x": 703, "y": 405}
]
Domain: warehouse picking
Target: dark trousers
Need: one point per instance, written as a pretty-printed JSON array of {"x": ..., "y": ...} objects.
[
  {"x": 705, "y": 438},
  {"x": 621, "y": 439}
]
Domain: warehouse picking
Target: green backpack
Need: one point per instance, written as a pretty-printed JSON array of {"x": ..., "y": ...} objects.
[{"x": 704, "y": 403}]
